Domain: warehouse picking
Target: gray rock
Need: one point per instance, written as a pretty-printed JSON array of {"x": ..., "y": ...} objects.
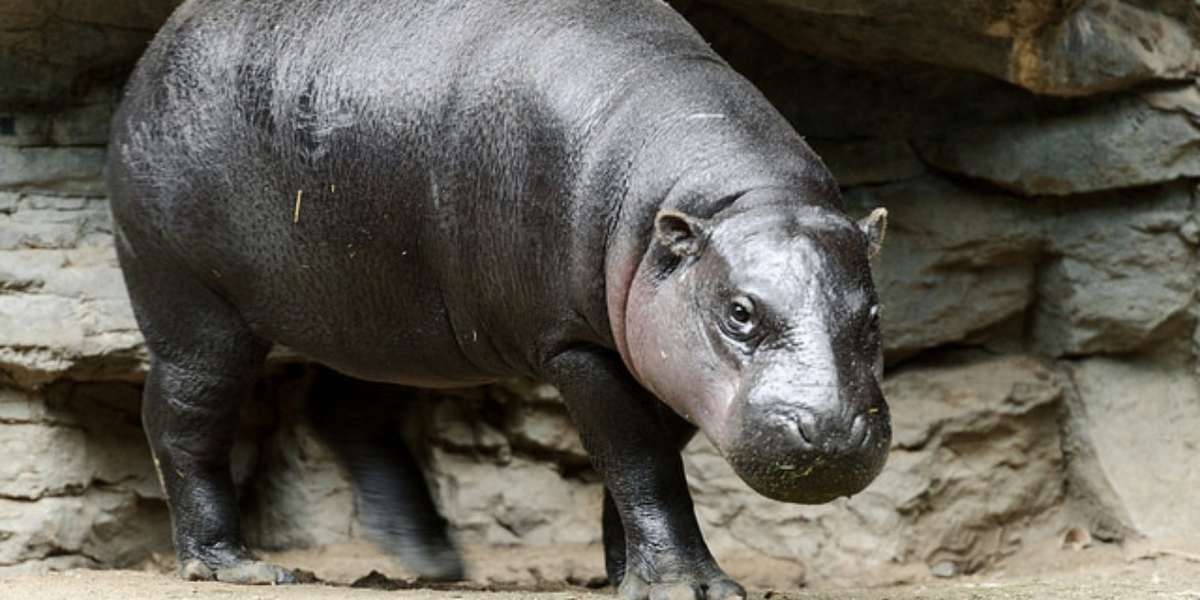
[
  {"x": 53, "y": 223},
  {"x": 52, "y": 52},
  {"x": 42, "y": 461},
  {"x": 81, "y": 124},
  {"x": 954, "y": 262},
  {"x": 1106, "y": 273},
  {"x": 1048, "y": 47},
  {"x": 536, "y": 421},
  {"x": 71, "y": 437},
  {"x": 85, "y": 124},
  {"x": 9, "y": 202},
  {"x": 297, "y": 494},
  {"x": 455, "y": 424},
  {"x": 77, "y": 486},
  {"x": 545, "y": 430},
  {"x": 1106, "y": 45},
  {"x": 70, "y": 170},
  {"x": 1133, "y": 441},
  {"x": 25, "y": 128},
  {"x": 975, "y": 446},
  {"x": 48, "y": 565},
  {"x": 1121, "y": 275},
  {"x": 838, "y": 103},
  {"x": 869, "y": 162},
  {"x": 99, "y": 527},
  {"x": 64, "y": 308},
  {"x": 522, "y": 501},
  {"x": 944, "y": 568},
  {"x": 1117, "y": 144}
]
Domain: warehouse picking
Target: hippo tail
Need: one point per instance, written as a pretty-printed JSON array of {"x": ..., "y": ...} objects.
[{"x": 357, "y": 420}]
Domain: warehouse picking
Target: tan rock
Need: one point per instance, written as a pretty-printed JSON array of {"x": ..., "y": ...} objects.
[
  {"x": 1133, "y": 441},
  {"x": 1046, "y": 46},
  {"x": 975, "y": 446}
]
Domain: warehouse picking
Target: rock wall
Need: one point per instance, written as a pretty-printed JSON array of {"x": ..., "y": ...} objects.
[{"x": 1039, "y": 280}]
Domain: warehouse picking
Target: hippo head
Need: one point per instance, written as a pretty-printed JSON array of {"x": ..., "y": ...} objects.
[{"x": 760, "y": 325}]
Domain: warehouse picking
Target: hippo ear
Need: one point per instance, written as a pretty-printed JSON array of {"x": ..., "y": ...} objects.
[
  {"x": 874, "y": 226},
  {"x": 681, "y": 234}
]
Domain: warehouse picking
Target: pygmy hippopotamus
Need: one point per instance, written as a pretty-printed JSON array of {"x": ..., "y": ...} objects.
[{"x": 441, "y": 194}]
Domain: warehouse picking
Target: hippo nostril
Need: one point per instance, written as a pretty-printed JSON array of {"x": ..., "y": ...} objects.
[
  {"x": 858, "y": 430},
  {"x": 806, "y": 424}
]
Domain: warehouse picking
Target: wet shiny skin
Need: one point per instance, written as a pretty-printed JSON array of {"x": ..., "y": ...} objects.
[{"x": 576, "y": 191}]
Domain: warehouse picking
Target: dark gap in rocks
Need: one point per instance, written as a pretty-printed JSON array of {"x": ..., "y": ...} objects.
[
  {"x": 1040, "y": 264},
  {"x": 944, "y": 355},
  {"x": 969, "y": 183}
]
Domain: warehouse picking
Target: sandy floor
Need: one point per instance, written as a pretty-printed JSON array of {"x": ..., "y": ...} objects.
[{"x": 1094, "y": 574}]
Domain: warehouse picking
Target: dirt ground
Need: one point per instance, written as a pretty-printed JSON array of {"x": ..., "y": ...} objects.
[{"x": 1096, "y": 573}]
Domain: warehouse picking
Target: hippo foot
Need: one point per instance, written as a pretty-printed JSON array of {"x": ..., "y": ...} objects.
[
  {"x": 719, "y": 587},
  {"x": 243, "y": 572}
]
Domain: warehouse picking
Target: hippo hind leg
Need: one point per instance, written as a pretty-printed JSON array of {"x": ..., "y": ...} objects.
[
  {"x": 203, "y": 362},
  {"x": 357, "y": 420}
]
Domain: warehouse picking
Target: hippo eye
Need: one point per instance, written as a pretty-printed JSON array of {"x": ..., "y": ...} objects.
[
  {"x": 873, "y": 315},
  {"x": 740, "y": 318}
]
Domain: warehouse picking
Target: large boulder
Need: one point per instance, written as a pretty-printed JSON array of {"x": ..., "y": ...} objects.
[
  {"x": 1102, "y": 273},
  {"x": 1119, "y": 275},
  {"x": 1125, "y": 142},
  {"x": 68, "y": 170},
  {"x": 1046, "y": 46},
  {"x": 485, "y": 441},
  {"x": 975, "y": 444},
  {"x": 77, "y": 487},
  {"x": 1132, "y": 441},
  {"x": 956, "y": 262},
  {"x": 55, "y": 52},
  {"x": 63, "y": 306}
]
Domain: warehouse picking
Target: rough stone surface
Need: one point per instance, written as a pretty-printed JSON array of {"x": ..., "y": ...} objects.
[
  {"x": 1136, "y": 421},
  {"x": 975, "y": 444},
  {"x": 1123, "y": 44},
  {"x": 1047, "y": 46},
  {"x": 294, "y": 493},
  {"x": 97, "y": 528},
  {"x": 63, "y": 306},
  {"x": 53, "y": 169},
  {"x": 856, "y": 163},
  {"x": 76, "y": 486},
  {"x": 72, "y": 437},
  {"x": 1120, "y": 276},
  {"x": 52, "y": 51},
  {"x": 1122, "y": 143},
  {"x": 1102, "y": 273},
  {"x": 942, "y": 279},
  {"x": 507, "y": 467}
]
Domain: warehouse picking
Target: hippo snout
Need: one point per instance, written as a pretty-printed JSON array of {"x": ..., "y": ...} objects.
[
  {"x": 833, "y": 434},
  {"x": 810, "y": 452}
]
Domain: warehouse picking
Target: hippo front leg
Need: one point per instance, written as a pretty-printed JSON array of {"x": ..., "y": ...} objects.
[
  {"x": 632, "y": 439},
  {"x": 614, "y": 532}
]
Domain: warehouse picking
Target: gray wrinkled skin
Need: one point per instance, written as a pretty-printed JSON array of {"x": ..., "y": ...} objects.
[{"x": 443, "y": 194}]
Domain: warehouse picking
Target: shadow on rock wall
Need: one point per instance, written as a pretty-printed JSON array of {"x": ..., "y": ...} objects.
[{"x": 1039, "y": 281}]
